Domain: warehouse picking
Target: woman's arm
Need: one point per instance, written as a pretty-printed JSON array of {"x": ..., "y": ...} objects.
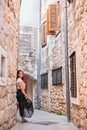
[{"x": 22, "y": 89}]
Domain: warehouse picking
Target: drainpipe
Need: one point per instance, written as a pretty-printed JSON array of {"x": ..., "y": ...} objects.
[
  {"x": 39, "y": 58},
  {"x": 66, "y": 61}
]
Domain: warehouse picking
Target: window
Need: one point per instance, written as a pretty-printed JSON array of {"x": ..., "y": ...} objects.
[
  {"x": 3, "y": 67},
  {"x": 73, "y": 75},
  {"x": 57, "y": 76},
  {"x": 52, "y": 19},
  {"x": 44, "y": 80},
  {"x": 43, "y": 35}
]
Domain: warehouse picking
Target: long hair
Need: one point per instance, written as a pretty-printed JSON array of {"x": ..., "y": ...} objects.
[{"x": 18, "y": 74}]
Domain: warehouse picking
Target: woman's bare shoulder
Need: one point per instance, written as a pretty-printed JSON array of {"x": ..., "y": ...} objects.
[{"x": 19, "y": 80}]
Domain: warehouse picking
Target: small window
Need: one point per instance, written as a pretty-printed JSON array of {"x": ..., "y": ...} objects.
[
  {"x": 44, "y": 80},
  {"x": 57, "y": 76},
  {"x": 73, "y": 75},
  {"x": 2, "y": 66},
  {"x": 43, "y": 35}
]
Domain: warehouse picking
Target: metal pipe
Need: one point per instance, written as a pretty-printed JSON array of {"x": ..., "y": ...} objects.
[
  {"x": 39, "y": 58},
  {"x": 66, "y": 62}
]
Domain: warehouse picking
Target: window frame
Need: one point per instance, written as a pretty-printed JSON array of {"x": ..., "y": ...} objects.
[
  {"x": 50, "y": 30},
  {"x": 44, "y": 81},
  {"x": 58, "y": 79},
  {"x": 59, "y": 20},
  {"x": 43, "y": 35},
  {"x": 3, "y": 78},
  {"x": 73, "y": 75}
]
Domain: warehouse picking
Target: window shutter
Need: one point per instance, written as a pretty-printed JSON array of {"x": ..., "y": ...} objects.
[
  {"x": 43, "y": 35},
  {"x": 54, "y": 79},
  {"x": 57, "y": 76},
  {"x": 48, "y": 32},
  {"x": 53, "y": 17},
  {"x": 44, "y": 80},
  {"x": 47, "y": 22}
]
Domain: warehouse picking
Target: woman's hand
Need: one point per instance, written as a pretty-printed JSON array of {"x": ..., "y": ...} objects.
[{"x": 26, "y": 96}]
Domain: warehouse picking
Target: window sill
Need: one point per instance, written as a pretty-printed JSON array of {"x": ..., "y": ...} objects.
[
  {"x": 44, "y": 87},
  {"x": 75, "y": 101},
  {"x": 58, "y": 85}
]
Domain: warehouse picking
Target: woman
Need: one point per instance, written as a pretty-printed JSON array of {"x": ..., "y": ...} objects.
[{"x": 21, "y": 95}]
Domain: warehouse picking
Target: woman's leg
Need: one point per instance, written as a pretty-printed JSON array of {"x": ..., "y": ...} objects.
[
  {"x": 21, "y": 99},
  {"x": 21, "y": 109}
]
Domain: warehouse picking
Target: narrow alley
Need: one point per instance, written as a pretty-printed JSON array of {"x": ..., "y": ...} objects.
[
  {"x": 43, "y": 57},
  {"x": 42, "y": 120}
]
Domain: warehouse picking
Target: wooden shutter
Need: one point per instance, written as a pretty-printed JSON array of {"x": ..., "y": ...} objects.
[
  {"x": 48, "y": 32},
  {"x": 73, "y": 75},
  {"x": 43, "y": 35},
  {"x": 53, "y": 17},
  {"x": 47, "y": 22}
]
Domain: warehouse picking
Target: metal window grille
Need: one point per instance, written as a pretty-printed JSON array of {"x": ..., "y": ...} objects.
[
  {"x": 57, "y": 76},
  {"x": 44, "y": 80},
  {"x": 73, "y": 75}
]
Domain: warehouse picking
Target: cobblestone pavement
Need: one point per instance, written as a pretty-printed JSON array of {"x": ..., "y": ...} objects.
[{"x": 42, "y": 120}]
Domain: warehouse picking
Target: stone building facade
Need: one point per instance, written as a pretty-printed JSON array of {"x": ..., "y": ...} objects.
[
  {"x": 53, "y": 88},
  {"x": 27, "y": 58},
  {"x": 9, "y": 45}
]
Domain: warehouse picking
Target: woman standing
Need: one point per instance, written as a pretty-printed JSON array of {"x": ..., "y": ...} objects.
[{"x": 21, "y": 95}]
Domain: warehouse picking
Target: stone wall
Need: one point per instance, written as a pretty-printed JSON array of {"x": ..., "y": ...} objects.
[
  {"x": 77, "y": 12},
  {"x": 9, "y": 45},
  {"x": 27, "y": 52},
  {"x": 77, "y": 41},
  {"x": 52, "y": 57},
  {"x": 44, "y": 99}
]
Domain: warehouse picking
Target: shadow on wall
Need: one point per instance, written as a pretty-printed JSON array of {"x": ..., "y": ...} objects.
[{"x": 30, "y": 87}]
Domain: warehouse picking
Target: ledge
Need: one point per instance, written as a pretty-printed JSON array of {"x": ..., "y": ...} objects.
[{"x": 75, "y": 101}]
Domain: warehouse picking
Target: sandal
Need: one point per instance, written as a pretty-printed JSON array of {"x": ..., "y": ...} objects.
[{"x": 24, "y": 120}]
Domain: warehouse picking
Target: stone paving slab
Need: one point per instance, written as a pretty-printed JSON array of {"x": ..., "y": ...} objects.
[{"x": 42, "y": 120}]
